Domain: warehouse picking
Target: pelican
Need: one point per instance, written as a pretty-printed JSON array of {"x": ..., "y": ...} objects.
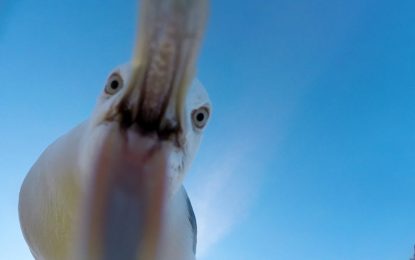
[{"x": 111, "y": 188}]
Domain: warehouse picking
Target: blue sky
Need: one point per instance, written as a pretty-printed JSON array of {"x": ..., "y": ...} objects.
[{"x": 310, "y": 150}]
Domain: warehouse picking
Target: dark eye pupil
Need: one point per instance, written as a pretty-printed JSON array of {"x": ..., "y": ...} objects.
[
  {"x": 114, "y": 84},
  {"x": 200, "y": 117}
]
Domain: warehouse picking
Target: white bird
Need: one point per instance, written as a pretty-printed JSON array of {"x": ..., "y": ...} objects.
[{"x": 111, "y": 188}]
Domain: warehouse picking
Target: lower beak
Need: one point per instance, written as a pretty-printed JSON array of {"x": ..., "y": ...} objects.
[{"x": 126, "y": 201}]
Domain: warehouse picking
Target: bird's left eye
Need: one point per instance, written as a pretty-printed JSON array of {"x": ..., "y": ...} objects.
[
  {"x": 114, "y": 84},
  {"x": 200, "y": 117}
]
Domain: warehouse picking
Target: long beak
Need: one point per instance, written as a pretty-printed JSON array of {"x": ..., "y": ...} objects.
[
  {"x": 164, "y": 57},
  {"x": 124, "y": 206}
]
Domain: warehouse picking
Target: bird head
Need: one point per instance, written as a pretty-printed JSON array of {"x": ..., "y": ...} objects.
[
  {"x": 133, "y": 122},
  {"x": 143, "y": 134}
]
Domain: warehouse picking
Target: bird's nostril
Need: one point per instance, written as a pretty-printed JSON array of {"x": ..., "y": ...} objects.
[
  {"x": 126, "y": 117},
  {"x": 126, "y": 120},
  {"x": 147, "y": 123}
]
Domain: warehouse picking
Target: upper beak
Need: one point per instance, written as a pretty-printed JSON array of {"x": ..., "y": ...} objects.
[
  {"x": 163, "y": 63},
  {"x": 123, "y": 212}
]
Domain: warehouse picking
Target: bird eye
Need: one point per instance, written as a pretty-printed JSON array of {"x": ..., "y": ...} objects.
[
  {"x": 200, "y": 117},
  {"x": 114, "y": 84}
]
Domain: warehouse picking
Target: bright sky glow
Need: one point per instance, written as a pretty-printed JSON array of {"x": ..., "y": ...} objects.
[{"x": 310, "y": 153}]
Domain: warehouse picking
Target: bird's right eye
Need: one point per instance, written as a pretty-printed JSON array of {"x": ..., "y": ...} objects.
[
  {"x": 114, "y": 84},
  {"x": 200, "y": 117}
]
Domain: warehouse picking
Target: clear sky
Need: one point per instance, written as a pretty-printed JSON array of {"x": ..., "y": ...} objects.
[{"x": 310, "y": 153}]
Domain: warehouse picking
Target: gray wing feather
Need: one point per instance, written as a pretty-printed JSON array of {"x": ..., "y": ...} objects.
[{"x": 192, "y": 221}]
